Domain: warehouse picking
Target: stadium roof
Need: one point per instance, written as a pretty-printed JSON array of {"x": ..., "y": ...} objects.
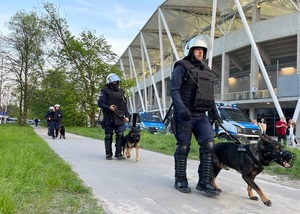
[{"x": 188, "y": 18}]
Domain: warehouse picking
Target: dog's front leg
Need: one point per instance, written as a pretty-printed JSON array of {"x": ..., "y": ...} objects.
[
  {"x": 253, "y": 185},
  {"x": 215, "y": 184},
  {"x": 128, "y": 152},
  {"x": 250, "y": 193},
  {"x": 124, "y": 152},
  {"x": 137, "y": 153}
]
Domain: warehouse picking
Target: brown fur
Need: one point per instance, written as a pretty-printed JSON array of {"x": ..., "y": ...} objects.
[{"x": 132, "y": 140}]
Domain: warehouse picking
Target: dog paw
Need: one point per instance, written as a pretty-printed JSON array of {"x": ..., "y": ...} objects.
[
  {"x": 255, "y": 198},
  {"x": 268, "y": 203},
  {"x": 136, "y": 159}
]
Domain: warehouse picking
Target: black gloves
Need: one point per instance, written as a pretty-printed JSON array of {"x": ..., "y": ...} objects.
[{"x": 184, "y": 113}]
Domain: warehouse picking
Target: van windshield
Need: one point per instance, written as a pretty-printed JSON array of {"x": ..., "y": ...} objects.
[
  {"x": 232, "y": 114},
  {"x": 150, "y": 117}
]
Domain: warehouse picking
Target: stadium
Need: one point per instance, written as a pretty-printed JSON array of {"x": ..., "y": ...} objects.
[{"x": 254, "y": 43}]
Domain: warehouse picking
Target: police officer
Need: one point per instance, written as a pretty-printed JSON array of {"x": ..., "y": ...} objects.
[
  {"x": 48, "y": 118},
  {"x": 193, "y": 97},
  {"x": 56, "y": 116},
  {"x": 113, "y": 103}
]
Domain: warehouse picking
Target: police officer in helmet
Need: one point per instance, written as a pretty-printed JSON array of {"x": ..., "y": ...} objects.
[
  {"x": 113, "y": 103},
  {"x": 193, "y": 97}
]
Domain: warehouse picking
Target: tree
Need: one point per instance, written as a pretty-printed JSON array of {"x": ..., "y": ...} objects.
[
  {"x": 89, "y": 58},
  {"x": 24, "y": 56},
  {"x": 55, "y": 88}
]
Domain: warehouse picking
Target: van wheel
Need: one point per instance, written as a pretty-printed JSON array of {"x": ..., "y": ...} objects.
[{"x": 224, "y": 137}]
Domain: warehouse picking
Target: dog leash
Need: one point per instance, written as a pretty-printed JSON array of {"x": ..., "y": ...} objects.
[
  {"x": 238, "y": 141},
  {"x": 117, "y": 113}
]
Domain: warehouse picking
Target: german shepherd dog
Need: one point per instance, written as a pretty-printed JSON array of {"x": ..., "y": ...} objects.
[
  {"x": 62, "y": 131},
  {"x": 132, "y": 140},
  {"x": 249, "y": 160}
]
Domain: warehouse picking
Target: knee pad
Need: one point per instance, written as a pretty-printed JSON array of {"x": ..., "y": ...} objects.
[
  {"x": 182, "y": 150},
  {"x": 119, "y": 135},
  {"x": 108, "y": 136},
  {"x": 208, "y": 147}
]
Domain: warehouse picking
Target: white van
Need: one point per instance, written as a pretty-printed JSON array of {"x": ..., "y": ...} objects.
[{"x": 236, "y": 123}]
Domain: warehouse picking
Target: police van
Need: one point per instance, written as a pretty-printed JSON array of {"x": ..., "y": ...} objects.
[
  {"x": 236, "y": 123},
  {"x": 150, "y": 121}
]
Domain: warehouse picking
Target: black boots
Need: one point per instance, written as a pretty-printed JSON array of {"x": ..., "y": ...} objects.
[
  {"x": 119, "y": 139},
  {"x": 205, "y": 175},
  {"x": 108, "y": 150},
  {"x": 180, "y": 156}
]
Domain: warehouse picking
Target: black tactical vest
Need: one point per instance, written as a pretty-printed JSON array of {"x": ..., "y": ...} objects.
[
  {"x": 116, "y": 98},
  {"x": 197, "y": 91}
]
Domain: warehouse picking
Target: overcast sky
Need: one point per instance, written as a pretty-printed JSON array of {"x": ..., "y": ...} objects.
[{"x": 118, "y": 20}]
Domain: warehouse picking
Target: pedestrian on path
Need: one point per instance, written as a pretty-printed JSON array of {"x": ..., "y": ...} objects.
[{"x": 113, "y": 103}]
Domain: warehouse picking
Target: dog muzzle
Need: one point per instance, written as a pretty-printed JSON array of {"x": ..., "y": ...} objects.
[{"x": 285, "y": 158}]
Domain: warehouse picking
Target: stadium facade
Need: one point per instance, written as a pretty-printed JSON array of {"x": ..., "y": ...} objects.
[{"x": 255, "y": 43}]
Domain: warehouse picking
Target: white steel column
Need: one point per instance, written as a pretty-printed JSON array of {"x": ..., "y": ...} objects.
[
  {"x": 297, "y": 109},
  {"x": 124, "y": 75},
  {"x": 161, "y": 51},
  {"x": 163, "y": 19},
  {"x": 258, "y": 57},
  {"x": 212, "y": 32},
  {"x": 151, "y": 73},
  {"x": 144, "y": 77},
  {"x": 136, "y": 78},
  {"x": 132, "y": 92},
  {"x": 225, "y": 72}
]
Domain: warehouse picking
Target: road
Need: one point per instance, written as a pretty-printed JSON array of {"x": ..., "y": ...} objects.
[{"x": 146, "y": 186}]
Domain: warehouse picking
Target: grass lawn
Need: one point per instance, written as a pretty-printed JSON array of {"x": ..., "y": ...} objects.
[{"x": 33, "y": 179}]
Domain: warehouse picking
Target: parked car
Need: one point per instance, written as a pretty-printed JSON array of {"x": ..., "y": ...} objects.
[
  {"x": 236, "y": 123},
  {"x": 150, "y": 121}
]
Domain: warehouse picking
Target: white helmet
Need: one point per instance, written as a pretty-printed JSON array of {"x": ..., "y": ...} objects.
[
  {"x": 202, "y": 41},
  {"x": 112, "y": 78},
  {"x": 56, "y": 105},
  {"x": 51, "y": 108}
]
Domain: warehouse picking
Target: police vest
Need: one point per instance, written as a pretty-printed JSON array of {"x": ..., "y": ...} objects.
[
  {"x": 116, "y": 98},
  {"x": 197, "y": 91}
]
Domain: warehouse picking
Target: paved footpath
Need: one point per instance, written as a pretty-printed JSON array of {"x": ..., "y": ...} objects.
[{"x": 146, "y": 186}]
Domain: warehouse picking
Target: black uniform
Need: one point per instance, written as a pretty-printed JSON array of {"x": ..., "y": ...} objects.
[
  {"x": 56, "y": 116},
  {"x": 113, "y": 120},
  {"x": 48, "y": 119},
  {"x": 193, "y": 98}
]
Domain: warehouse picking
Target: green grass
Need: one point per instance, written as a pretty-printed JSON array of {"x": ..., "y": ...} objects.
[
  {"x": 166, "y": 144},
  {"x": 33, "y": 179}
]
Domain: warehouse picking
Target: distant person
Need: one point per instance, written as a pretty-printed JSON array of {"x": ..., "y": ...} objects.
[
  {"x": 113, "y": 103},
  {"x": 36, "y": 121},
  {"x": 253, "y": 90},
  {"x": 48, "y": 119},
  {"x": 56, "y": 116},
  {"x": 254, "y": 121},
  {"x": 281, "y": 127},
  {"x": 263, "y": 126},
  {"x": 291, "y": 132}
]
